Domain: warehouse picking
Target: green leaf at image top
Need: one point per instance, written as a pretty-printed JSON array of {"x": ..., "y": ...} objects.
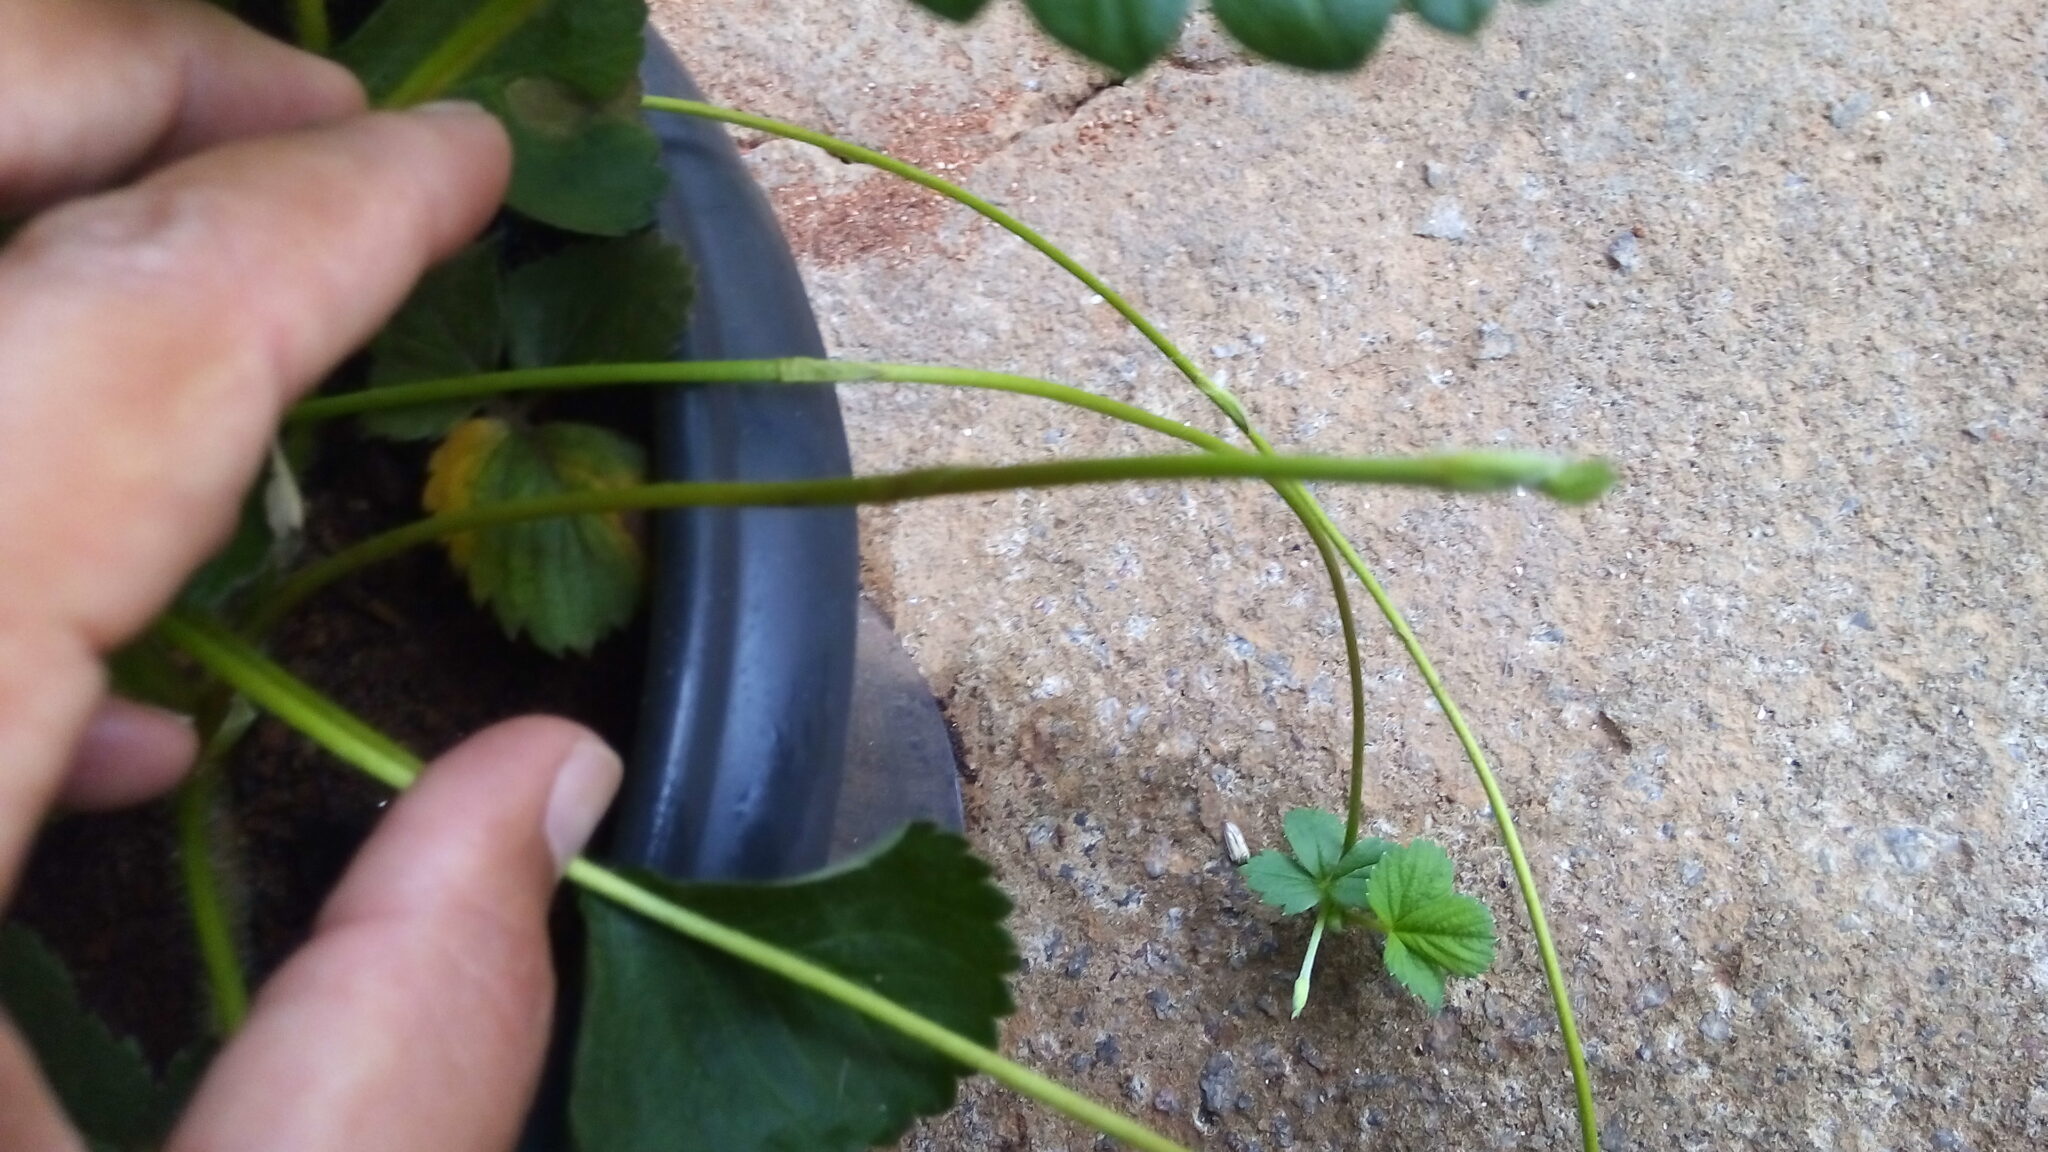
[
  {"x": 1321, "y": 35},
  {"x": 1463, "y": 17},
  {"x": 683, "y": 1048},
  {"x": 961, "y": 10},
  {"x": 1432, "y": 931},
  {"x": 568, "y": 581},
  {"x": 1125, "y": 35},
  {"x": 100, "y": 1079},
  {"x": 560, "y": 74}
]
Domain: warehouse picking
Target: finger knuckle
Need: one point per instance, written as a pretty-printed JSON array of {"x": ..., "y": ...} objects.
[{"x": 144, "y": 238}]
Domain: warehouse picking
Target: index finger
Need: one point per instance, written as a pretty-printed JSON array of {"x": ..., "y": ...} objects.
[
  {"x": 149, "y": 339},
  {"x": 96, "y": 89}
]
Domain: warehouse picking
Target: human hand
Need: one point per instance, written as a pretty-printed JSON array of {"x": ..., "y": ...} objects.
[{"x": 218, "y": 223}]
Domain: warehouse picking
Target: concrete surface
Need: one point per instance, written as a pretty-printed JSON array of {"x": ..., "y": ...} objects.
[{"x": 1774, "y": 716}]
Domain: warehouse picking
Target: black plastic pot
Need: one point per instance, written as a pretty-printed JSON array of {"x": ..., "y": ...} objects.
[
  {"x": 737, "y": 769},
  {"x": 751, "y": 645}
]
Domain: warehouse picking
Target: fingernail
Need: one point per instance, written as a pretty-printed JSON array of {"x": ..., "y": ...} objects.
[
  {"x": 450, "y": 108},
  {"x": 584, "y": 787}
]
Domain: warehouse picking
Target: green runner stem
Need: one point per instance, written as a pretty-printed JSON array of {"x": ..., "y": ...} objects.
[{"x": 1317, "y": 521}]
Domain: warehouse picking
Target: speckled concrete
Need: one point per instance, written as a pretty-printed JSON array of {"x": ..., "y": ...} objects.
[{"x": 1774, "y": 716}]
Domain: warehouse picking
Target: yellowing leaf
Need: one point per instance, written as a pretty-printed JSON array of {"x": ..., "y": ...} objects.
[
  {"x": 566, "y": 581},
  {"x": 453, "y": 472}
]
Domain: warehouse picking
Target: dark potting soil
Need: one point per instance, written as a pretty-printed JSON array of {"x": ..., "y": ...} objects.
[{"x": 401, "y": 646}]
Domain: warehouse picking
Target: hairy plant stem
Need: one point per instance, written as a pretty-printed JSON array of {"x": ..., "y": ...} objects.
[
  {"x": 310, "y": 25},
  {"x": 196, "y": 810},
  {"x": 1457, "y": 471},
  {"x": 465, "y": 48},
  {"x": 276, "y": 691},
  {"x": 1314, "y": 518}
]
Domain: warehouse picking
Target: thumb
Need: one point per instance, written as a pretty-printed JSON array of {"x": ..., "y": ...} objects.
[{"x": 415, "y": 1018}]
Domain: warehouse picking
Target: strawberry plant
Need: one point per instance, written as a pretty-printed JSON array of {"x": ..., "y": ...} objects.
[{"x": 870, "y": 988}]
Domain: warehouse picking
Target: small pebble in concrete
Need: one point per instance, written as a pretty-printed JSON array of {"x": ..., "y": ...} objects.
[
  {"x": 1844, "y": 113},
  {"x": 1495, "y": 344},
  {"x": 1912, "y": 849},
  {"x": 1167, "y": 1101},
  {"x": 1219, "y": 1084},
  {"x": 1654, "y": 994},
  {"x": 1436, "y": 175},
  {"x": 1625, "y": 252},
  {"x": 1312, "y": 1056},
  {"x": 1446, "y": 221}
]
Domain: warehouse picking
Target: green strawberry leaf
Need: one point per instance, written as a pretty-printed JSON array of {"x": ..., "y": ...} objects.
[
  {"x": 600, "y": 301},
  {"x": 147, "y": 669},
  {"x": 1431, "y": 930},
  {"x": 683, "y": 1048},
  {"x": 1282, "y": 882},
  {"x": 567, "y": 581},
  {"x": 563, "y": 78},
  {"x": 957, "y": 10},
  {"x": 580, "y": 163},
  {"x": 1124, "y": 35},
  {"x": 1414, "y": 974},
  {"x": 1320, "y": 873},
  {"x": 594, "y": 46},
  {"x": 1321, "y": 35},
  {"x": 1463, "y": 17},
  {"x": 1317, "y": 838},
  {"x": 451, "y": 325},
  {"x": 249, "y": 556},
  {"x": 100, "y": 1079},
  {"x": 1363, "y": 855},
  {"x": 607, "y": 301}
]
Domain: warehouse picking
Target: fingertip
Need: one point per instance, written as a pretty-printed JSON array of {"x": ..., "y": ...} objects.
[
  {"x": 128, "y": 753},
  {"x": 477, "y": 139},
  {"x": 490, "y": 822},
  {"x": 428, "y": 978},
  {"x": 584, "y": 787}
]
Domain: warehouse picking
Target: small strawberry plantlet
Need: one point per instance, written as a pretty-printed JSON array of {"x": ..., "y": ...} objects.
[
  {"x": 1402, "y": 892},
  {"x": 570, "y": 292}
]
